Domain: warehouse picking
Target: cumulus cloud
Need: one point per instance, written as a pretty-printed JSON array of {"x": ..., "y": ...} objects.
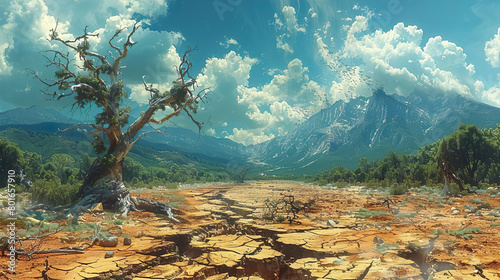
[
  {"x": 94, "y": 12},
  {"x": 288, "y": 28},
  {"x": 291, "y": 23},
  {"x": 224, "y": 76},
  {"x": 396, "y": 60},
  {"x": 293, "y": 84},
  {"x": 278, "y": 106},
  {"x": 312, "y": 13},
  {"x": 492, "y": 50},
  {"x": 162, "y": 77},
  {"x": 24, "y": 31},
  {"x": 247, "y": 137},
  {"x": 251, "y": 115}
]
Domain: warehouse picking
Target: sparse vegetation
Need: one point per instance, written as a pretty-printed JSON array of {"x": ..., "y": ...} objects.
[
  {"x": 384, "y": 247},
  {"x": 465, "y": 233},
  {"x": 286, "y": 207},
  {"x": 437, "y": 232},
  {"x": 365, "y": 214}
]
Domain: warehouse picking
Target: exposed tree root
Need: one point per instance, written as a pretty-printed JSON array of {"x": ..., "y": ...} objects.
[{"x": 117, "y": 197}]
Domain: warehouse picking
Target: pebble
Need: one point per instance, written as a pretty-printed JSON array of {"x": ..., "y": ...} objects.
[
  {"x": 378, "y": 240},
  {"x": 109, "y": 242},
  {"x": 127, "y": 241},
  {"x": 455, "y": 212},
  {"x": 388, "y": 228},
  {"x": 331, "y": 223},
  {"x": 109, "y": 254}
]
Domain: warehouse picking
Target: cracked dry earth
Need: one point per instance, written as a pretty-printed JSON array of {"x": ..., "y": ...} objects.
[{"x": 222, "y": 236}]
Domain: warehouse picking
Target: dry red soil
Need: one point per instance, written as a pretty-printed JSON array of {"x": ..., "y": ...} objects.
[{"x": 339, "y": 235}]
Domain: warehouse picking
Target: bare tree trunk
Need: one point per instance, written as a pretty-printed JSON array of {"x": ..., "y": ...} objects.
[
  {"x": 109, "y": 166},
  {"x": 103, "y": 184}
]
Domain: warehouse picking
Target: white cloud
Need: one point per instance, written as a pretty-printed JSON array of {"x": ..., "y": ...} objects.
[
  {"x": 492, "y": 50},
  {"x": 282, "y": 44},
  {"x": 359, "y": 25},
  {"x": 284, "y": 112},
  {"x": 288, "y": 29},
  {"x": 229, "y": 42},
  {"x": 255, "y": 114},
  {"x": 352, "y": 84},
  {"x": 248, "y": 137},
  {"x": 397, "y": 62},
  {"x": 225, "y": 76},
  {"x": 291, "y": 23},
  {"x": 234, "y": 67},
  {"x": 490, "y": 96},
  {"x": 26, "y": 30},
  {"x": 210, "y": 132},
  {"x": 278, "y": 106},
  {"x": 94, "y": 12},
  {"x": 254, "y": 96},
  {"x": 5, "y": 68},
  {"x": 25, "y": 27}
]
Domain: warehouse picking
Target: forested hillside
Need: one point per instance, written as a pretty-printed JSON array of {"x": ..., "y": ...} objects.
[
  {"x": 471, "y": 157},
  {"x": 55, "y": 177}
]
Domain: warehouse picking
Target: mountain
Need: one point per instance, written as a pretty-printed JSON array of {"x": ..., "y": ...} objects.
[
  {"x": 183, "y": 142},
  {"x": 369, "y": 127},
  {"x": 339, "y": 135},
  {"x": 187, "y": 141},
  {"x": 32, "y": 115}
]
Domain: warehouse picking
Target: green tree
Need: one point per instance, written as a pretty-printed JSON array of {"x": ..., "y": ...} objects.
[
  {"x": 465, "y": 152},
  {"x": 62, "y": 162},
  {"x": 10, "y": 159},
  {"x": 32, "y": 163},
  {"x": 96, "y": 82},
  {"x": 132, "y": 169}
]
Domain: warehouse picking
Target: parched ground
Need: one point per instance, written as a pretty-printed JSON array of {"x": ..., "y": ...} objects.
[{"x": 352, "y": 233}]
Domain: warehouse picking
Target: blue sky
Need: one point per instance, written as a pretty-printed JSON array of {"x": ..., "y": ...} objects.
[{"x": 270, "y": 64}]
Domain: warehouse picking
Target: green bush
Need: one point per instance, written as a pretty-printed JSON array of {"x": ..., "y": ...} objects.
[
  {"x": 398, "y": 189},
  {"x": 364, "y": 213},
  {"x": 465, "y": 233},
  {"x": 280, "y": 219},
  {"x": 476, "y": 201},
  {"x": 51, "y": 191},
  {"x": 437, "y": 232},
  {"x": 495, "y": 212},
  {"x": 484, "y": 206}
]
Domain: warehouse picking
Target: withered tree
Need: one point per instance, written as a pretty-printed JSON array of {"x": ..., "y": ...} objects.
[{"x": 95, "y": 79}]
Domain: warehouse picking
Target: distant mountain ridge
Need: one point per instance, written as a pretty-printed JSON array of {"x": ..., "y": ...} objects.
[
  {"x": 33, "y": 115},
  {"x": 42, "y": 120},
  {"x": 371, "y": 127},
  {"x": 338, "y": 135}
]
